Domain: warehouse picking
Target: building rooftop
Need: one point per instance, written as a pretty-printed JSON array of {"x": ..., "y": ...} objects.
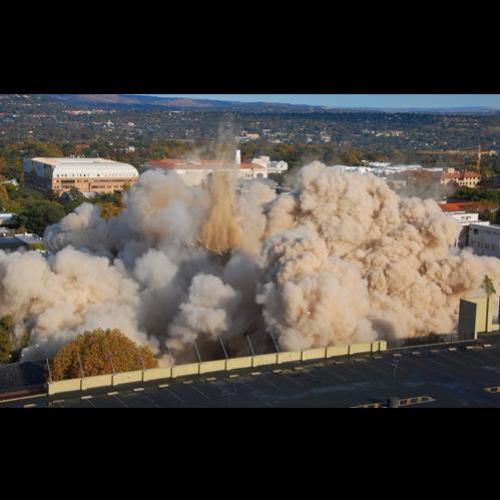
[
  {"x": 463, "y": 206},
  {"x": 173, "y": 164},
  {"x": 88, "y": 167},
  {"x": 56, "y": 162},
  {"x": 461, "y": 175}
]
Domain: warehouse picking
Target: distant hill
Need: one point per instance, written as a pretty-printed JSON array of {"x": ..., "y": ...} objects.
[
  {"x": 178, "y": 103},
  {"x": 139, "y": 101},
  {"x": 445, "y": 111}
]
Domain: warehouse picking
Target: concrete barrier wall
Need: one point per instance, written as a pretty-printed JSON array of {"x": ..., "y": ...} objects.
[
  {"x": 382, "y": 345},
  {"x": 317, "y": 353},
  {"x": 265, "y": 359},
  {"x": 288, "y": 357},
  {"x": 239, "y": 363},
  {"x": 157, "y": 374},
  {"x": 97, "y": 381},
  {"x": 359, "y": 348},
  {"x": 127, "y": 377},
  {"x": 339, "y": 350},
  {"x": 185, "y": 370},
  {"x": 213, "y": 366},
  {"x": 74, "y": 384}
]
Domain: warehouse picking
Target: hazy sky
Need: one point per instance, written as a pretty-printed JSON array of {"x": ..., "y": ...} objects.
[{"x": 362, "y": 100}]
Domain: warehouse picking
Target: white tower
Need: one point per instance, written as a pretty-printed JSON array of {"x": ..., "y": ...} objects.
[{"x": 238, "y": 157}]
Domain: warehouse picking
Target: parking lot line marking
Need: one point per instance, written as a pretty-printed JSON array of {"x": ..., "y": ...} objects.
[
  {"x": 450, "y": 358},
  {"x": 330, "y": 372},
  {"x": 473, "y": 347},
  {"x": 87, "y": 397},
  {"x": 350, "y": 367},
  {"x": 163, "y": 386},
  {"x": 469, "y": 357},
  {"x": 90, "y": 403},
  {"x": 400, "y": 368},
  {"x": 113, "y": 393},
  {"x": 138, "y": 389},
  {"x": 31, "y": 405},
  {"x": 22, "y": 398},
  {"x": 488, "y": 355},
  {"x": 270, "y": 383},
  {"x": 291, "y": 379},
  {"x": 370, "y": 365},
  {"x": 432, "y": 359},
  {"x": 176, "y": 396},
  {"x": 119, "y": 400},
  {"x": 151, "y": 400},
  {"x": 200, "y": 392}
]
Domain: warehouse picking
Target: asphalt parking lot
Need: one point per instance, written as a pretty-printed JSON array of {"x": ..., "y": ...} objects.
[{"x": 447, "y": 375}]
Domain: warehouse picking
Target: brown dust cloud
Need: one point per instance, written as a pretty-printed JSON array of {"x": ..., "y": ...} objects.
[{"x": 341, "y": 258}]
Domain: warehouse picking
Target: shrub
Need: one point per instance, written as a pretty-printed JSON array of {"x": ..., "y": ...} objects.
[
  {"x": 5, "y": 346},
  {"x": 101, "y": 352}
]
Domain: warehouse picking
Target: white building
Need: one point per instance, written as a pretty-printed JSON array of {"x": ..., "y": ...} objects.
[
  {"x": 5, "y": 218},
  {"x": 465, "y": 219},
  {"x": 484, "y": 239},
  {"x": 194, "y": 172},
  {"x": 461, "y": 179},
  {"x": 88, "y": 175},
  {"x": 273, "y": 167}
]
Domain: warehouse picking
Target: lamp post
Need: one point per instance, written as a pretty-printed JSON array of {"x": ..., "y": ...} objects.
[{"x": 393, "y": 401}]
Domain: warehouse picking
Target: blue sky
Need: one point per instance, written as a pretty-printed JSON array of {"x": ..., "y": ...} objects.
[{"x": 362, "y": 100}]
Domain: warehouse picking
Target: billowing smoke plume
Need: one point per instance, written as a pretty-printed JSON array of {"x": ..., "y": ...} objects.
[{"x": 339, "y": 259}]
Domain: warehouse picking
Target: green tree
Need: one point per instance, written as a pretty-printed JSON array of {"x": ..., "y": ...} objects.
[
  {"x": 351, "y": 157},
  {"x": 4, "y": 197},
  {"x": 5, "y": 347},
  {"x": 6, "y": 344},
  {"x": 489, "y": 289},
  {"x": 72, "y": 199},
  {"x": 36, "y": 215}
]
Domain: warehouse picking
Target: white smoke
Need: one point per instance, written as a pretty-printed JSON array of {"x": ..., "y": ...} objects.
[{"x": 339, "y": 259}]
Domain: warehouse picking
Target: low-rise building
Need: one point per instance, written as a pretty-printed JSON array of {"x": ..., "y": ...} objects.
[
  {"x": 273, "y": 167},
  {"x": 88, "y": 175},
  {"x": 459, "y": 178},
  {"x": 194, "y": 172},
  {"x": 484, "y": 239},
  {"x": 5, "y": 218},
  {"x": 465, "y": 219},
  {"x": 10, "y": 242}
]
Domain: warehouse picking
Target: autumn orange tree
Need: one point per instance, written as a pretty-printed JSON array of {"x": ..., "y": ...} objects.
[{"x": 100, "y": 352}]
